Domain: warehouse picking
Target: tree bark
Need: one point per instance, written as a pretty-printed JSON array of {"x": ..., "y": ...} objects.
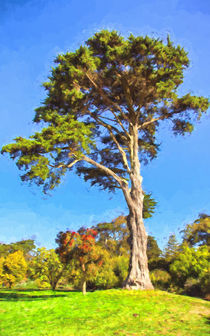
[
  {"x": 138, "y": 273},
  {"x": 83, "y": 280},
  {"x": 84, "y": 287}
]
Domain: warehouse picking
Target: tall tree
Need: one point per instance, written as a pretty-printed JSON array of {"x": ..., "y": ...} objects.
[
  {"x": 172, "y": 248},
  {"x": 104, "y": 105}
]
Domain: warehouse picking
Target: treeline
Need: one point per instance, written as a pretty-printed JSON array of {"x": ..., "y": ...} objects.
[{"x": 98, "y": 258}]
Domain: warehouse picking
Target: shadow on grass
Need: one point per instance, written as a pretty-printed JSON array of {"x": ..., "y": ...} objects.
[
  {"x": 11, "y": 296},
  {"x": 43, "y": 290},
  {"x": 207, "y": 320}
]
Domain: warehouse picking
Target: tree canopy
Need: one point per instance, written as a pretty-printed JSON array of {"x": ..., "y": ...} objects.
[
  {"x": 198, "y": 233},
  {"x": 27, "y": 246},
  {"x": 94, "y": 95},
  {"x": 103, "y": 107}
]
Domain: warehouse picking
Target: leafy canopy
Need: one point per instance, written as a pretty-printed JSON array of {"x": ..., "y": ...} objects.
[
  {"x": 46, "y": 267},
  {"x": 13, "y": 268},
  {"x": 94, "y": 98},
  {"x": 26, "y": 246},
  {"x": 198, "y": 233}
]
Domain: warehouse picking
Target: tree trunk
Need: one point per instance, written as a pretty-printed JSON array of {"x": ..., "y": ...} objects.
[
  {"x": 53, "y": 285},
  {"x": 84, "y": 287},
  {"x": 138, "y": 274},
  {"x": 83, "y": 279}
]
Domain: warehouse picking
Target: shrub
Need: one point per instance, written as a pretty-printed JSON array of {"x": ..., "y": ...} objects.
[
  {"x": 160, "y": 279},
  {"x": 190, "y": 263},
  {"x": 192, "y": 287}
]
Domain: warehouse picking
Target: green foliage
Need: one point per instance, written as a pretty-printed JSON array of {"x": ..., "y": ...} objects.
[
  {"x": 190, "y": 263},
  {"x": 112, "y": 274},
  {"x": 95, "y": 96},
  {"x": 113, "y": 236},
  {"x": 40, "y": 154},
  {"x": 149, "y": 205},
  {"x": 27, "y": 284},
  {"x": 13, "y": 269},
  {"x": 121, "y": 268},
  {"x": 46, "y": 268},
  {"x": 171, "y": 249},
  {"x": 153, "y": 251},
  {"x": 26, "y": 246},
  {"x": 105, "y": 278},
  {"x": 198, "y": 233},
  {"x": 160, "y": 279}
]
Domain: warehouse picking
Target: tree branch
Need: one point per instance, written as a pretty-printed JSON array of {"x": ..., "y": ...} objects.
[
  {"x": 111, "y": 103},
  {"x": 127, "y": 93},
  {"x": 150, "y": 122},
  {"x": 108, "y": 171},
  {"x": 158, "y": 118},
  {"x": 123, "y": 154},
  {"x": 64, "y": 165}
]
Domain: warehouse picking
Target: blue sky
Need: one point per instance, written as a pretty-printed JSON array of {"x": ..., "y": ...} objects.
[{"x": 32, "y": 33}]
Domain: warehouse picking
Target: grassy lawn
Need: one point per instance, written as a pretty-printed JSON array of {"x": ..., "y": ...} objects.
[{"x": 110, "y": 312}]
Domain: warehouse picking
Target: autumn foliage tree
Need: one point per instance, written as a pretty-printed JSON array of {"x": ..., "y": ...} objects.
[
  {"x": 104, "y": 105},
  {"x": 13, "y": 268},
  {"x": 82, "y": 248}
]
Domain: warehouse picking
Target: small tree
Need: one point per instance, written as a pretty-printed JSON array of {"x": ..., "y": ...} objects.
[
  {"x": 81, "y": 246},
  {"x": 46, "y": 267},
  {"x": 104, "y": 105}
]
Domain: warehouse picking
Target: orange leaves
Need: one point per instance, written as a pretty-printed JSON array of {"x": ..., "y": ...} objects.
[
  {"x": 100, "y": 263},
  {"x": 80, "y": 246},
  {"x": 73, "y": 243}
]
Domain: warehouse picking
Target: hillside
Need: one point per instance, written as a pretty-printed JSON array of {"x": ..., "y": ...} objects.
[{"x": 110, "y": 312}]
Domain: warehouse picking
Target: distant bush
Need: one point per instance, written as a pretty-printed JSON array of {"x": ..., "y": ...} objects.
[
  {"x": 190, "y": 263},
  {"x": 105, "y": 279},
  {"x": 28, "y": 284},
  {"x": 160, "y": 279}
]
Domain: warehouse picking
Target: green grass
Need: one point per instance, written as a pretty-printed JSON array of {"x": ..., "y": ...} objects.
[{"x": 110, "y": 312}]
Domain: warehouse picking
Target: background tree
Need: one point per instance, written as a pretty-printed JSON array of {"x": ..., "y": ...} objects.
[
  {"x": 27, "y": 246},
  {"x": 13, "y": 268},
  {"x": 81, "y": 247},
  {"x": 198, "y": 233},
  {"x": 153, "y": 250},
  {"x": 104, "y": 105},
  {"x": 171, "y": 249},
  {"x": 193, "y": 265},
  {"x": 113, "y": 237},
  {"x": 46, "y": 267}
]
